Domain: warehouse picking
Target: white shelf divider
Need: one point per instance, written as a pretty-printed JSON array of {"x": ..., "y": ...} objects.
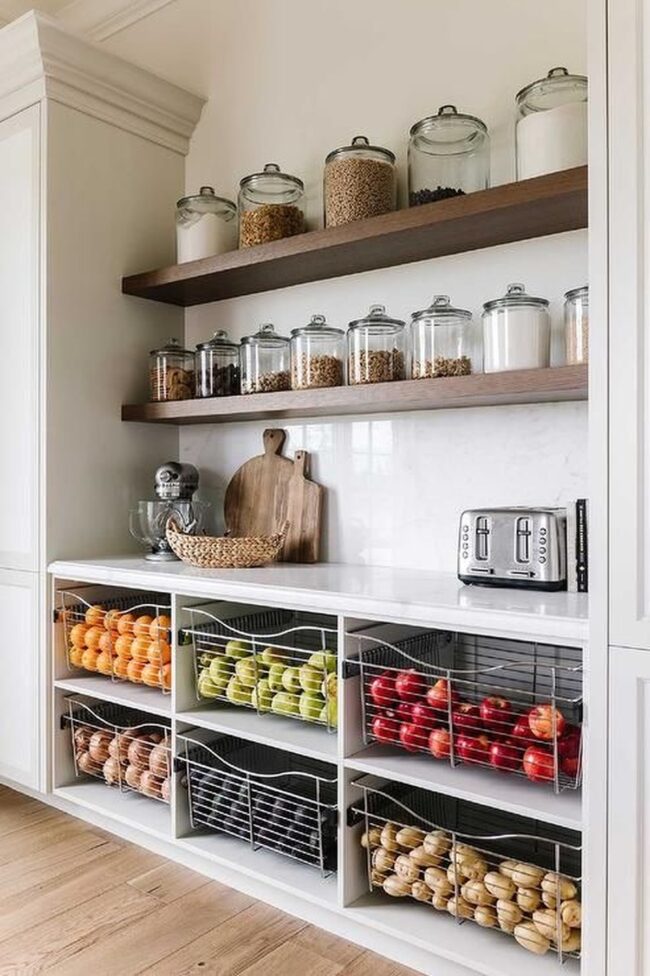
[{"x": 119, "y": 692}]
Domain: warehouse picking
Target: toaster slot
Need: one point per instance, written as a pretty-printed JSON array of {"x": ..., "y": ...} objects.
[
  {"x": 523, "y": 539},
  {"x": 482, "y": 546}
]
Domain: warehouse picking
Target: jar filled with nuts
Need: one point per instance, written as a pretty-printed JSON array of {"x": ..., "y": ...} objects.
[
  {"x": 359, "y": 182},
  {"x": 171, "y": 372},
  {"x": 444, "y": 341},
  {"x": 270, "y": 206},
  {"x": 217, "y": 367},
  {"x": 265, "y": 360},
  {"x": 317, "y": 355},
  {"x": 376, "y": 348}
]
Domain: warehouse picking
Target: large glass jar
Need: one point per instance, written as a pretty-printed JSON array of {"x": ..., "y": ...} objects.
[
  {"x": 217, "y": 367},
  {"x": 516, "y": 332},
  {"x": 359, "y": 182},
  {"x": 317, "y": 355},
  {"x": 448, "y": 155},
  {"x": 376, "y": 348},
  {"x": 270, "y": 206},
  {"x": 551, "y": 129},
  {"x": 265, "y": 360},
  {"x": 205, "y": 224},
  {"x": 443, "y": 341},
  {"x": 171, "y": 372},
  {"x": 576, "y": 325}
]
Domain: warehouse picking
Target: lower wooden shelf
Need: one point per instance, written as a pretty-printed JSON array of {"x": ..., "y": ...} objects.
[{"x": 480, "y": 390}]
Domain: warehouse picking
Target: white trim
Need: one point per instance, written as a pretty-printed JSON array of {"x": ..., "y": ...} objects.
[{"x": 100, "y": 19}]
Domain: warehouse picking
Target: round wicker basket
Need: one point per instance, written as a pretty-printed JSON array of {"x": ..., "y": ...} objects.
[{"x": 222, "y": 552}]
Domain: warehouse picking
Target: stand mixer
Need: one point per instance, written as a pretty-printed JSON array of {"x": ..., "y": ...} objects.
[{"x": 174, "y": 485}]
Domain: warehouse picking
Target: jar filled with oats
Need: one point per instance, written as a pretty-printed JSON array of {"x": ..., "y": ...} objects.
[
  {"x": 171, "y": 373},
  {"x": 444, "y": 341},
  {"x": 265, "y": 361},
  {"x": 376, "y": 348},
  {"x": 270, "y": 206},
  {"x": 359, "y": 182},
  {"x": 317, "y": 355}
]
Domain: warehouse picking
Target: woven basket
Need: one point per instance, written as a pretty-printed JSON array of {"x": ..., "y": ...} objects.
[{"x": 221, "y": 552}]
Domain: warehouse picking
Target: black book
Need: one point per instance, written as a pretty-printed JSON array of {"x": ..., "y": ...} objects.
[{"x": 582, "y": 545}]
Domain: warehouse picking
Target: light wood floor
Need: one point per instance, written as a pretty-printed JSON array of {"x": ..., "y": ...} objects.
[{"x": 77, "y": 901}]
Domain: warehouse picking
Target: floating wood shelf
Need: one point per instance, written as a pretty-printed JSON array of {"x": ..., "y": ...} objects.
[
  {"x": 513, "y": 212},
  {"x": 480, "y": 390}
]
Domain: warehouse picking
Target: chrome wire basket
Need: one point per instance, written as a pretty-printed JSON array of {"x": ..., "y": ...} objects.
[
  {"x": 508, "y": 706},
  {"x": 516, "y": 876},
  {"x": 268, "y": 798}
]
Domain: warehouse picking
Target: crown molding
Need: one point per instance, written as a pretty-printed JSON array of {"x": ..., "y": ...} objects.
[
  {"x": 40, "y": 59},
  {"x": 100, "y": 19}
]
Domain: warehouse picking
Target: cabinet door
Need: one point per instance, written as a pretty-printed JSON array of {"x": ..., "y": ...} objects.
[
  {"x": 19, "y": 338},
  {"x": 21, "y": 685}
]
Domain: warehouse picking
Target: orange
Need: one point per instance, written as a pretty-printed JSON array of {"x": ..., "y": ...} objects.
[
  {"x": 142, "y": 625},
  {"x": 125, "y": 623},
  {"x": 105, "y": 662},
  {"x": 89, "y": 660},
  {"x": 75, "y": 654},
  {"x": 159, "y": 653},
  {"x": 160, "y": 627},
  {"x": 95, "y": 616},
  {"x": 134, "y": 671},
  {"x": 106, "y": 642},
  {"x": 111, "y": 619},
  {"x": 151, "y": 675},
  {"x": 140, "y": 649},
  {"x": 121, "y": 667},
  {"x": 123, "y": 646},
  {"x": 93, "y": 636},
  {"x": 167, "y": 677},
  {"x": 78, "y": 635}
]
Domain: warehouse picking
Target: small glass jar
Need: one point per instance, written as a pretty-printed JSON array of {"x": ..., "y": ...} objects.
[
  {"x": 443, "y": 341},
  {"x": 217, "y": 367},
  {"x": 265, "y": 360},
  {"x": 359, "y": 182},
  {"x": 551, "y": 131},
  {"x": 376, "y": 348},
  {"x": 205, "y": 225},
  {"x": 270, "y": 206},
  {"x": 516, "y": 332},
  {"x": 317, "y": 355},
  {"x": 448, "y": 155},
  {"x": 171, "y": 372},
  {"x": 576, "y": 325}
]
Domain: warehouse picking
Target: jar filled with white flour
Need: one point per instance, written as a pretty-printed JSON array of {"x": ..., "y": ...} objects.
[
  {"x": 551, "y": 132},
  {"x": 205, "y": 225},
  {"x": 516, "y": 332}
]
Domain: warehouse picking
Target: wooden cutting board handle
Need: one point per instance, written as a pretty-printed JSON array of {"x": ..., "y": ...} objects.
[{"x": 274, "y": 438}]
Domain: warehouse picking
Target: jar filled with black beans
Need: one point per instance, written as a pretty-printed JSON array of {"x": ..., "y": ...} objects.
[
  {"x": 448, "y": 156},
  {"x": 217, "y": 367}
]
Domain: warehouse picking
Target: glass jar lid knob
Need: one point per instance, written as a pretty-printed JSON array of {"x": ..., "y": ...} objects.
[
  {"x": 516, "y": 289},
  {"x": 558, "y": 73},
  {"x": 441, "y": 301},
  {"x": 447, "y": 110},
  {"x": 360, "y": 141},
  {"x": 376, "y": 311},
  {"x": 271, "y": 168},
  {"x": 206, "y": 191}
]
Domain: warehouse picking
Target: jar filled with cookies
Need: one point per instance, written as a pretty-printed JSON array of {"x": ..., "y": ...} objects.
[
  {"x": 171, "y": 373},
  {"x": 317, "y": 355},
  {"x": 376, "y": 348}
]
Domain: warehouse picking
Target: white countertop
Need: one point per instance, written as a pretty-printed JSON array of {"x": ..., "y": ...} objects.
[{"x": 381, "y": 593}]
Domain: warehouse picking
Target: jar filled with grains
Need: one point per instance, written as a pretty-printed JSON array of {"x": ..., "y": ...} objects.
[
  {"x": 317, "y": 355},
  {"x": 448, "y": 155},
  {"x": 217, "y": 367},
  {"x": 376, "y": 348},
  {"x": 265, "y": 360},
  {"x": 576, "y": 325},
  {"x": 270, "y": 206},
  {"x": 359, "y": 182},
  {"x": 171, "y": 373},
  {"x": 443, "y": 341}
]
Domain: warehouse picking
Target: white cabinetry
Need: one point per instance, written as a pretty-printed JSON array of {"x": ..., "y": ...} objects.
[{"x": 21, "y": 688}]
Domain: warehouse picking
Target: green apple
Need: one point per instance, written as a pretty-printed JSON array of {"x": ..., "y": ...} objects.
[
  {"x": 275, "y": 677},
  {"x": 205, "y": 659},
  {"x": 237, "y": 693},
  {"x": 330, "y": 714},
  {"x": 220, "y": 672},
  {"x": 237, "y": 649},
  {"x": 246, "y": 671},
  {"x": 291, "y": 680},
  {"x": 310, "y": 679},
  {"x": 285, "y": 704},
  {"x": 206, "y": 687},
  {"x": 323, "y": 660},
  {"x": 329, "y": 687},
  {"x": 262, "y": 696},
  {"x": 311, "y": 706},
  {"x": 271, "y": 655}
]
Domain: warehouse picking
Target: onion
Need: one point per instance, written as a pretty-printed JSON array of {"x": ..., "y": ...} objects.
[{"x": 98, "y": 746}]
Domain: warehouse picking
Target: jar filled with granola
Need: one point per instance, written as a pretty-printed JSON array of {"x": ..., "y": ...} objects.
[
  {"x": 376, "y": 348},
  {"x": 265, "y": 360},
  {"x": 317, "y": 355},
  {"x": 443, "y": 341},
  {"x": 270, "y": 206},
  {"x": 171, "y": 373}
]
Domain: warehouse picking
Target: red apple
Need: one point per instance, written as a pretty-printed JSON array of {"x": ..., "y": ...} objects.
[
  {"x": 496, "y": 715},
  {"x": 409, "y": 685},
  {"x": 546, "y": 722},
  {"x": 473, "y": 749},
  {"x": 569, "y": 745},
  {"x": 521, "y": 729},
  {"x": 441, "y": 695},
  {"x": 466, "y": 717},
  {"x": 423, "y": 715},
  {"x": 570, "y": 766},
  {"x": 505, "y": 756},
  {"x": 382, "y": 690},
  {"x": 440, "y": 743},
  {"x": 412, "y": 737},
  {"x": 403, "y": 712},
  {"x": 385, "y": 729},
  {"x": 538, "y": 764}
]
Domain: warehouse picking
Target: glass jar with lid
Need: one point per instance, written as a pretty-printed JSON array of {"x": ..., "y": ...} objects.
[
  {"x": 443, "y": 341},
  {"x": 270, "y": 206},
  {"x": 376, "y": 348},
  {"x": 217, "y": 367},
  {"x": 171, "y": 372},
  {"x": 205, "y": 225},
  {"x": 317, "y": 355},
  {"x": 516, "y": 332},
  {"x": 448, "y": 155},
  {"x": 265, "y": 360},
  {"x": 551, "y": 131},
  {"x": 576, "y": 325},
  {"x": 359, "y": 182}
]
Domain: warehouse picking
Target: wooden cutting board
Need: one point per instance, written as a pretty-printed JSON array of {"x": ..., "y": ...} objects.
[{"x": 270, "y": 490}]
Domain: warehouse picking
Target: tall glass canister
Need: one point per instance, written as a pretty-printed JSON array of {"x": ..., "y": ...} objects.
[
  {"x": 270, "y": 206},
  {"x": 443, "y": 341},
  {"x": 551, "y": 131},
  {"x": 359, "y": 182},
  {"x": 448, "y": 155},
  {"x": 265, "y": 360},
  {"x": 317, "y": 355},
  {"x": 376, "y": 348}
]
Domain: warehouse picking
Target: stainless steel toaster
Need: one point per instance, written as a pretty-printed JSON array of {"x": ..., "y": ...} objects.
[{"x": 517, "y": 547}]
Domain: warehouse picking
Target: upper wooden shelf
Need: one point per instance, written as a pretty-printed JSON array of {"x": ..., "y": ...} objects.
[{"x": 513, "y": 212}]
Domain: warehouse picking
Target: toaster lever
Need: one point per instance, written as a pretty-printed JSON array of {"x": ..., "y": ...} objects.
[{"x": 524, "y": 573}]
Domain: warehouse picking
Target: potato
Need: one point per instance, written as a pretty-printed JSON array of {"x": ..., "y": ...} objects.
[
  {"x": 439, "y": 901},
  {"x": 486, "y": 916},
  {"x": 571, "y": 913},
  {"x": 437, "y": 842},
  {"x": 549, "y": 900},
  {"x": 436, "y": 879},
  {"x": 420, "y": 891},
  {"x": 557, "y": 885},
  {"x": 527, "y": 876},
  {"x": 371, "y": 838},
  {"x": 508, "y": 915},
  {"x": 383, "y": 860},
  {"x": 507, "y": 867},
  {"x": 476, "y": 893},
  {"x": 552, "y": 927},
  {"x": 499, "y": 885},
  {"x": 409, "y": 837},
  {"x": 573, "y": 941},
  {"x": 454, "y": 877},
  {"x": 387, "y": 838},
  {"x": 459, "y": 908},
  {"x": 376, "y": 878},
  {"x": 396, "y": 887},
  {"x": 474, "y": 868},
  {"x": 527, "y": 936},
  {"x": 528, "y": 899},
  {"x": 422, "y": 859},
  {"x": 406, "y": 869}
]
